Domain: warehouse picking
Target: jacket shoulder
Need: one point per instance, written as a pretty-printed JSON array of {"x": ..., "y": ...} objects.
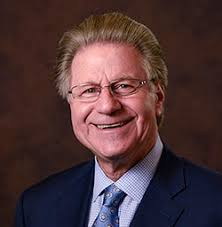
[
  {"x": 55, "y": 184},
  {"x": 197, "y": 178},
  {"x": 202, "y": 177}
]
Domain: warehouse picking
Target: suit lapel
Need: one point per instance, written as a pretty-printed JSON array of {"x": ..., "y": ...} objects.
[
  {"x": 157, "y": 207},
  {"x": 74, "y": 202}
]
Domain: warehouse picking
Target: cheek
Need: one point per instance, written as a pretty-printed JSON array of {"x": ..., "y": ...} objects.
[
  {"x": 79, "y": 125},
  {"x": 79, "y": 116},
  {"x": 146, "y": 114}
]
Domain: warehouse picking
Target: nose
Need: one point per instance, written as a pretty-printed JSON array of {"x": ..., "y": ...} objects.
[{"x": 107, "y": 103}]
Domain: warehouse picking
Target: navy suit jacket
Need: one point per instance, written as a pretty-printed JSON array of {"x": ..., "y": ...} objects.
[{"x": 180, "y": 195}]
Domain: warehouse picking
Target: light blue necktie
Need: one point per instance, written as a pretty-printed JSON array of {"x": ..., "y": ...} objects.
[{"x": 108, "y": 215}]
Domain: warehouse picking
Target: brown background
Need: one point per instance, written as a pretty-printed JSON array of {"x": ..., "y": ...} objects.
[{"x": 36, "y": 138}]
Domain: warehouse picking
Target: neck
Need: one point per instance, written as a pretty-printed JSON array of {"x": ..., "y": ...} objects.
[
  {"x": 113, "y": 170},
  {"x": 116, "y": 167}
]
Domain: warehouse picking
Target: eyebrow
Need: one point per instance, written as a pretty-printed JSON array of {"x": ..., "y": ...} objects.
[{"x": 123, "y": 77}]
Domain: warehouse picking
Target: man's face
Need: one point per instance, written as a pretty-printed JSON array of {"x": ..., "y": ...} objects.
[{"x": 114, "y": 128}]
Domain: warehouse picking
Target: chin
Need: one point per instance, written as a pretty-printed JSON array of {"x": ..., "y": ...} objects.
[{"x": 113, "y": 154}]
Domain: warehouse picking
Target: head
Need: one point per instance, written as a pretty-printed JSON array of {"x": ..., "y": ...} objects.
[
  {"x": 102, "y": 50},
  {"x": 111, "y": 28}
]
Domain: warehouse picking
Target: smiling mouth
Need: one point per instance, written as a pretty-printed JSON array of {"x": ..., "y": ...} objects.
[{"x": 115, "y": 125}]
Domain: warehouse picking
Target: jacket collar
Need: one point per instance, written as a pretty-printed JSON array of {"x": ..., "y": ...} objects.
[{"x": 158, "y": 207}]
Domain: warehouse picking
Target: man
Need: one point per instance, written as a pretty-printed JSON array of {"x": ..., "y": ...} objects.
[{"x": 111, "y": 70}]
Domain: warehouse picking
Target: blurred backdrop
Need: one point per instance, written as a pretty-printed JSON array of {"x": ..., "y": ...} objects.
[{"x": 36, "y": 137}]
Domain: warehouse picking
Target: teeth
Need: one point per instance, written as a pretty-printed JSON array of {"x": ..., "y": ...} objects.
[{"x": 110, "y": 126}]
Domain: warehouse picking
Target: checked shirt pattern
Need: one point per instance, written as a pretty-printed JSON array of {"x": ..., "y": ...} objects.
[{"x": 108, "y": 215}]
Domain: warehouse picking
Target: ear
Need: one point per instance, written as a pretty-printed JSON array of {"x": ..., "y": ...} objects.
[
  {"x": 69, "y": 99},
  {"x": 160, "y": 98}
]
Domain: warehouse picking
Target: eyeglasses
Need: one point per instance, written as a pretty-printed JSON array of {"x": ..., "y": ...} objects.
[{"x": 90, "y": 92}]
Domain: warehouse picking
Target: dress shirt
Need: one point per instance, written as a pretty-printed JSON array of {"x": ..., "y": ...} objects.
[{"x": 134, "y": 183}]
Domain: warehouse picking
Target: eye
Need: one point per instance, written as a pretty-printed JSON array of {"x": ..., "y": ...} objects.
[
  {"x": 122, "y": 85},
  {"x": 87, "y": 91},
  {"x": 90, "y": 90}
]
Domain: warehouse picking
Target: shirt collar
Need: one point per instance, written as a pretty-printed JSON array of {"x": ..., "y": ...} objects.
[{"x": 136, "y": 180}]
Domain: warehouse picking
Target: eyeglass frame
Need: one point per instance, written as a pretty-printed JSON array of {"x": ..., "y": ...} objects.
[{"x": 94, "y": 98}]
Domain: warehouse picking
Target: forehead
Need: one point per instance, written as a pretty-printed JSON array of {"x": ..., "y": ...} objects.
[{"x": 106, "y": 60}]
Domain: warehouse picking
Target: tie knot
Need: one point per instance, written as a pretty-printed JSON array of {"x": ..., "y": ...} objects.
[{"x": 113, "y": 196}]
